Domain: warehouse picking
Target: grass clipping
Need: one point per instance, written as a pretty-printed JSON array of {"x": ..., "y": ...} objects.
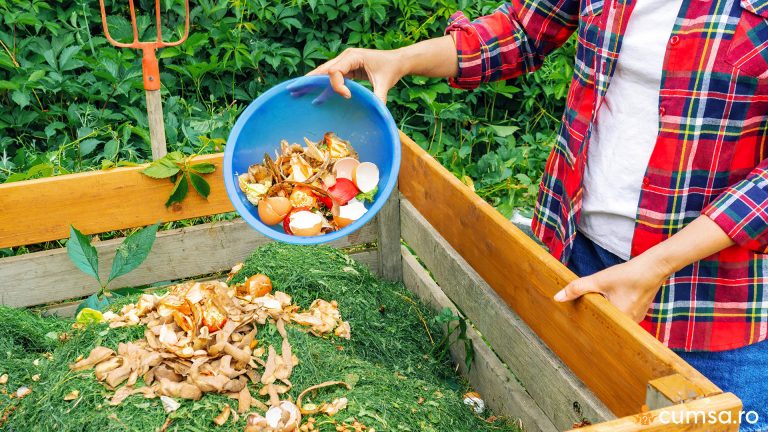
[{"x": 390, "y": 379}]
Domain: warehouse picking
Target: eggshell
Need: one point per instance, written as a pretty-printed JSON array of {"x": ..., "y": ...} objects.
[
  {"x": 345, "y": 167},
  {"x": 306, "y": 223},
  {"x": 349, "y": 213},
  {"x": 272, "y": 210},
  {"x": 366, "y": 176}
]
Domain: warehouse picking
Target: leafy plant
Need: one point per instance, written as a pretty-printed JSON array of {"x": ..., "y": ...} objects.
[
  {"x": 181, "y": 172},
  {"x": 440, "y": 350},
  {"x": 71, "y": 102},
  {"x": 129, "y": 255}
]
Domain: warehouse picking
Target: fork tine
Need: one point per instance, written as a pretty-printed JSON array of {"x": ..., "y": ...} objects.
[
  {"x": 106, "y": 28},
  {"x": 133, "y": 22},
  {"x": 159, "y": 27},
  {"x": 186, "y": 28}
]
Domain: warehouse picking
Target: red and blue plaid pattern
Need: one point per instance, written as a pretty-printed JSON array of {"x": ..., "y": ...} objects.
[{"x": 710, "y": 156}]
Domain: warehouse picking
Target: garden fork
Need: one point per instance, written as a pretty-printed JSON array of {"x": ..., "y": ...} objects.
[{"x": 150, "y": 69}]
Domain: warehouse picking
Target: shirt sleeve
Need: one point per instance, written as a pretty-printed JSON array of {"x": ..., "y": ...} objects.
[
  {"x": 741, "y": 211},
  {"x": 513, "y": 40}
]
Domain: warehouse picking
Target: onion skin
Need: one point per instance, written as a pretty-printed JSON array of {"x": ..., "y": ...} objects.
[
  {"x": 343, "y": 191},
  {"x": 326, "y": 201}
]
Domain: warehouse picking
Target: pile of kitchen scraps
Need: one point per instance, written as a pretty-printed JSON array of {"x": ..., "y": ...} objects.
[
  {"x": 383, "y": 378},
  {"x": 201, "y": 337}
]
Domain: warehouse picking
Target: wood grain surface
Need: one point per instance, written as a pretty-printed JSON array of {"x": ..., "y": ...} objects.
[
  {"x": 40, "y": 210},
  {"x": 602, "y": 346},
  {"x": 563, "y": 397},
  {"x": 674, "y": 418},
  {"x": 488, "y": 376},
  {"x": 50, "y": 276}
]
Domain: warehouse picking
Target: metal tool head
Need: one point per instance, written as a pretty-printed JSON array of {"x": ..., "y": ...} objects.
[{"x": 159, "y": 43}]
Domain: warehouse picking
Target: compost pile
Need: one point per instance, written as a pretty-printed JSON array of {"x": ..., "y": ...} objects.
[
  {"x": 382, "y": 378},
  {"x": 200, "y": 338}
]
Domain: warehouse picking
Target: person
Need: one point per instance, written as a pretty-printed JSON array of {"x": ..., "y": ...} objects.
[{"x": 656, "y": 190}]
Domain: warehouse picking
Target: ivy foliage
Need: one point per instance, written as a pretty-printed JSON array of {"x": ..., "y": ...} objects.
[{"x": 69, "y": 101}]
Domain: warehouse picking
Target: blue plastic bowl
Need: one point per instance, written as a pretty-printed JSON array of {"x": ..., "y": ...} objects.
[{"x": 363, "y": 120}]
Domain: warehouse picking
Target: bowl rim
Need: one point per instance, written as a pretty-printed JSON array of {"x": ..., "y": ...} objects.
[{"x": 233, "y": 190}]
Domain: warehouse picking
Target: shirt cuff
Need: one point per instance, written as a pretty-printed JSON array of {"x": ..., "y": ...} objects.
[
  {"x": 741, "y": 212},
  {"x": 468, "y": 52}
]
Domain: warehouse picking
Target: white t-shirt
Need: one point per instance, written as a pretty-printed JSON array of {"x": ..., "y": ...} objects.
[{"x": 626, "y": 128}]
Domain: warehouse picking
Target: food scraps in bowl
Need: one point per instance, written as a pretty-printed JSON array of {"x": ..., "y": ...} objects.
[{"x": 313, "y": 189}]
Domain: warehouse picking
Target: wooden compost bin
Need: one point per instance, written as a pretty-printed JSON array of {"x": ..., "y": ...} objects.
[{"x": 551, "y": 365}]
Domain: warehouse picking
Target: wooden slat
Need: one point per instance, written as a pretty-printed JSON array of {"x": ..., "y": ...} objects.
[
  {"x": 40, "y": 210},
  {"x": 609, "y": 352},
  {"x": 369, "y": 258},
  {"x": 560, "y": 394},
  {"x": 49, "y": 276},
  {"x": 671, "y": 390},
  {"x": 488, "y": 375},
  {"x": 723, "y": 407},
  {"x": 389, "y": 238}
]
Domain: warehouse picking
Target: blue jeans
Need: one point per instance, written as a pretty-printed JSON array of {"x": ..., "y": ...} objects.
[{"x": 742, "y": 371}]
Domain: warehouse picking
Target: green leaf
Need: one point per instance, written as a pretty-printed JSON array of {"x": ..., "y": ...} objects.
[
  {"x": 8, "y": 85},
  {"x": 110, "y": 149},
  {"x": 203, "y": 168},
  {"x": 160, "y": 169},
  {"x": 89, "y": 316},
  {"x": 88, "y": 146},
  {"x": 36, "y": 75},
  {"x": 369, "y": 196},
  {"x": 179, "y": 191},
  {"x": 21, "y": 98},
  {"x": 94, "y": 302},
  {"x": 504, "y": 131},
  {"x": 133, "y": 251},
  {"x": 175, "y": 156},
  {"x": 16, "y": 177},
  {"x": 201, "y": 186},
  {"x": 82, "y": 253}
]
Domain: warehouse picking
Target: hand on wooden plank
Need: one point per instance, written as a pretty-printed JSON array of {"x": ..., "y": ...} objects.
[{"x": 631, "y": 286}]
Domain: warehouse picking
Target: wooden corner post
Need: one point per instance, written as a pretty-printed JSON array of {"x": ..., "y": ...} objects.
[{"x": 390, "y": 262}]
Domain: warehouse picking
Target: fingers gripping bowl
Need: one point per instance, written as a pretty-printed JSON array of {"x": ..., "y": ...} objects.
[{"x": 307, "y": 108}]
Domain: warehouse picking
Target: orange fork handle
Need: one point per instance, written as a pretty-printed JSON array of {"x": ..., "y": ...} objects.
[{"x": 150, "y": 68}]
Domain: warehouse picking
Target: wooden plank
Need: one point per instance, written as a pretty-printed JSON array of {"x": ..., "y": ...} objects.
[
  {"x": 488, "y": 375},
  {"x": 369, "y": 258},
  {"x": 49, "y": 276},
  {"x": 561, "y": 395},
  {"x": 586, "y": 334},
  {"x": 723, "y": 409},
  {"x": 389, "y": 239},
  {"x": 671, "y": 390},
  {"x": 40, "y": 210}
]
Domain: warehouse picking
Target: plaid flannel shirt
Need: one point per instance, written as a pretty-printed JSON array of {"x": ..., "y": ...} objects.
[{"x": 710, "y": 157}]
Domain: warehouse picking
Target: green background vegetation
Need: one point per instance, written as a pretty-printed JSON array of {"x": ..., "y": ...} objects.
[{"x": 69, "y": 101}]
